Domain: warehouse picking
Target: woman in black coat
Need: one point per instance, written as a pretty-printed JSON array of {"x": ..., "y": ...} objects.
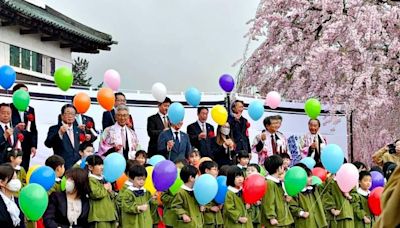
[{"x": 223, "y": 146}]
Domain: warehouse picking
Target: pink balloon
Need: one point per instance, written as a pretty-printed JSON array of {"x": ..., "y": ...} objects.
[
  {"x": 112, "y": 79},
  {"x": 347, "y": 177},
  {"x": 273, "y": 99}
]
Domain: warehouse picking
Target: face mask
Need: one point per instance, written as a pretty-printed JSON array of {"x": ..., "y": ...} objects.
[
  {"x": 70, "y": 186},
  {"x": 225, "y": 131},
  {"x": 14, "y": 185}
]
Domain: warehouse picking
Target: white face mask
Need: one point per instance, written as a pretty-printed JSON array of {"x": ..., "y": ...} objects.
[
  {"x": 225, "y": 131},
  {"x": 14, "y": 185},
  {"x": 69, "y": 186}
]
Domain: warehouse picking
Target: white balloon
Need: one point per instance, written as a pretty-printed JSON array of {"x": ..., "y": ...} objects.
[{"x": 159, "y": 91}]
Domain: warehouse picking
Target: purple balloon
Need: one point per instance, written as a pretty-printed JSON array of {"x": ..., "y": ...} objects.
[
  {"x": 377, "y": 180},
  {"x": 164, "y": 175},
  {"x": 227, "y": 82}
]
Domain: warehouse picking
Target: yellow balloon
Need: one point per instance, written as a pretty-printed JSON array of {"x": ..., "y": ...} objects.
[
  {"x": 30, "y": 171},
  {"x": 148, "y": 184},
  {"x": 219, "y": 114}
]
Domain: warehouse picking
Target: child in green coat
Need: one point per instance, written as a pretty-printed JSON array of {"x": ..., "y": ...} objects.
[
  {"x": 212, "y": 211},
  {"x": 242, "y": 160},
  {"x": 102, "y": 213},
  {"x": 56, "y": 162},
  {"x": 184, "y": 204},
  {"x": 362, "y": 216},
  {"x": 169, "y": 217},
  {"x": 254, "y": 209},
  {"x": 235, "y": 214},
  {"x": 274, "y": 207}
]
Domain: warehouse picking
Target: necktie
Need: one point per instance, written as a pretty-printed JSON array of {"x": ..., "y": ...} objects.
[
  {"x": 273, "y": 143},
  {"x": 9, "y": 137},
  {"x": 138, "y": 193},
  {"x": 239, "y": 193},
  {"x": 71, "y": 137},
  {"x": 165, "y": 121},
  {"x": 203, "y": 128},
  {"x": 123, "y": 137},
  {"x": 177, "y": 136}
]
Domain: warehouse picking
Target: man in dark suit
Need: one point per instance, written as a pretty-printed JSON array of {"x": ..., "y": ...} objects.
[
  {"x": 65, "y": 137},
  {"x": 239, "y": 126},
  {"x": 109, "y": 116},
  {"x": 173, "y": 143},
  {"x": 8, "y": 136},
  {"x": 156, "y": 124},
  {"x": 27, "y": 123},
  {"x": 201, "y": 132}
]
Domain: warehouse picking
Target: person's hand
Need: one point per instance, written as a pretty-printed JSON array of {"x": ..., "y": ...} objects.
[
  {"x": 306, "y": 214},
  {"x": 88, "y": 137},
  {"x": 143, "y": 207},
  {"x": 366, "y": 220},
  {"x": 8, "y": 133},
  {"x": 117, "y": 147},
  {"x": 186, "y": 219},
  {"x": 63, "y": 129},
  {"x": 243, "y": 220},
  {"x": 21, "y": 126},
  {"x": 82, "y": 127},
  {"x": 202, "y": 208},
  {"x": 108, "y": 187},
  {"x": 263, "y": 136},
  {"x": 248, "y": 206},
  {"x": 33, "y": 152},
  {"x": 170, "y": 144},
  {"x": 258, "y": 202},
  {"x": 347, "y": 195},
  {"x": 335, "y": 212},
  {"x": 202, "y": 135},
  {"x": 273, "y": 222},
  {"x": 288, "y": 199},
  {"x": 214, "y": 209},
  {"x": 229, "y": 142},
  {"x": 313, "y": 145}
]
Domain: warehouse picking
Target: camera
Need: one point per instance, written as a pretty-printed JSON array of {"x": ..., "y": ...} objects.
[{"x": 392, "y": 148}]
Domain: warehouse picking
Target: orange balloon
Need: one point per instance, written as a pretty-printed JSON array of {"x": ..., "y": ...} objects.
[
  {"x": 81, "y": 102},
  {"x": 121, "y": 181},
  {"x": 105, "y": 97}
]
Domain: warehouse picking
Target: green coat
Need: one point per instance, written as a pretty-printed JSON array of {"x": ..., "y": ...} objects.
[
  {"x": 185, "y": 203},
  {"x": 169, "y": 217},
  {"x": 333, "y": 198},
  {"x": 212, "y": 218},
  {"x": 274, "y": 206},
  {"x": 255, "y": 213},
  {"x": 361, "y": 209},
  {"x": 102, "y": 208},
  {"x": 234, "y": 208},
  {"x": 308, "y": 202}
]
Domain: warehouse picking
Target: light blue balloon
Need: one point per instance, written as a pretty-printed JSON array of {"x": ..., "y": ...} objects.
[
  {"x": 309, "y": 162},
  {"x": 114, "y": 166},
  {"x": 44, "y": 176},
  {"x": 205, "y": 189},
  {"x": 176, "y": 113},
  {"x": 222, "y": 189},
  {"x": 7, "y": 76},
  {"x": 332, "y": 157},
  {"x": 193, "y": 96},
  {"x": 154, "y": 160},
  {"x": 83, "y": 162},
  {"x": 256, "y": 110}
]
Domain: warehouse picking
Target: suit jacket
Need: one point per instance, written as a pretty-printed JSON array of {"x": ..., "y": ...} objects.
[
  {"x": 222, "y": 155},
  {"x": 239, "y": 132},
  {"x": 56, "y": 212},
  {"x": 203, "y": 145},
  {"x": 109, "y": 119},
  {"x": 154, "y": 127},
  {"x": 63, "y": 147},
  {"x": 5, "y": 218},
  {"x": 180, "y": 148},
  {"x": 4, "y": 144}
]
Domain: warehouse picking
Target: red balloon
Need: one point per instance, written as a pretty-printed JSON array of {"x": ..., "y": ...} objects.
[
  {"x": 320, "y": 172},
  {"x": 254, "y": 188},
  {"x": 374, "y": 201}
]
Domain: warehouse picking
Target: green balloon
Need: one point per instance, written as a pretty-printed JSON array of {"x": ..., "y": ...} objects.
[
  {"x": 177, "y": 184},
  {"x": 316, "y": 180},
  {"x": 312, "y": 108},
  {"x": 21, "y": 100},
  {"x": 263, "y": 172},
  {"x": 63, "y": 78},
  {"x": 295, "y": 180},
  {"x": 33, "y": 201},
  {"x": 63, "y": 183}
]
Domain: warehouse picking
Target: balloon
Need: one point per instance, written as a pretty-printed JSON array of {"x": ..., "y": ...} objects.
[
  {"x": 159, "y": 91},
  {"x": 21, "y": 100},
  {"x": 254, "y": 188},
  {"x": 308, "y": 161},
  {"x": 114, "y": 166},
  {"x": 81, "y": 102},
  {"x": 121, "y": 181},
  {"x": 63, "y": 78},
  {"x": 205, "y": 189},
  {"x": 155, "y": 159},
  {"x": 227, "y": 83},
  {"x": 193, "y": 96},
  {"x": 377, "y": 180},
  {"x": 83, "y": 163},
  {"x": 33, "y": 201},
  {"x": 273, "y": 99},
  {"x": 332, "y": 157},
  {"x": 30, "y": 171},
  {"x": 112, "y": 79},
  {"x": 256, "y": 110},
  {"x": 347, "y": 177},
  {"x": 316, "y": 180},
  {"x": 312, "y": 108},
  {"x": 222, "y": 189},
  {"x": 44, "y": 176},
  {"x": 177, "y": 184},
  {"x": 219, "y": 114},
  {"x": 374, "y": 201},
  {"x": 164, "y": 175},
  {"x": 263, "y": 172},
  {"x": 176, "y": 113},
  {"x": 203, "y": 159},
  {"x": 63, "y": 183},
  {"x": 295, "y": 180},
  {"x": 148, "y": 183},
  {"x": 105, "y": 97},
  {"x": 7, "y": 76},
  {"x": 320, "y": 172}
]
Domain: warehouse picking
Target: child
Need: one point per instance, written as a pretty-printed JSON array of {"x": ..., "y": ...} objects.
[
  {"x": 193, "y": 158},
  {"x": 362, "y": 214},
  {"x": 57, "y": 164},
  {"x": 274, "y": 208},
  {"x": 184, "y": 204},
  {"x": 102, "y": 210},
  {"x": 141, "y": 157},
  {"x": 135, "y": 208},
  {"x": 15, "y": 159},
  {"x": 286, "y": 161},
  {"x": 212, "y": 211},
  {"x": 252, "y": 169},
  {"x": 179, "y": 163},
  {"x": 85, "y": 150},
  {"x": 235, "y": 214},
  {"x": 223, "y": 171},
  {"x": 306, "y": 207},
  {"x": 254, "y": 209},
  {"x": 242, "y": 160}
]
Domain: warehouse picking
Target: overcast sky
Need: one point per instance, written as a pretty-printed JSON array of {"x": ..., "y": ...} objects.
[{"x": 181, "y": 43}]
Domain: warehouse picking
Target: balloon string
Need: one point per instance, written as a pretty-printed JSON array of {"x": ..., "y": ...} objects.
[{"x": 320, "y": 195}]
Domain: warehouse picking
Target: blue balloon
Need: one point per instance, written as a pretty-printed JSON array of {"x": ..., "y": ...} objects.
[
  {"x": 176, "y": 113},
  {"x": 309, "y": 162},
  {"x": 44, "y": 176},
  {"x": 205, "y": 189},
  {"x": 222, "y": 189},
  {"x": 193, "y": 96},
  {"x": 256, "y": 110},
  {"x": 114, "y": 166},
  {"x": 83, "y": 163},
  {"x": 7, "y": 76},
  {"x": 154, "y": 160},
  {"x": 332, "y": 157}
]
